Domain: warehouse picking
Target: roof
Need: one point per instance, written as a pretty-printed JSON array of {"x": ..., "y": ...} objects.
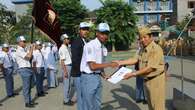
[{"x": 21, "y": 1}]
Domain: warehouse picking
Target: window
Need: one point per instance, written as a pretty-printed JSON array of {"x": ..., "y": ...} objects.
[{"x": 191, "y": 4}]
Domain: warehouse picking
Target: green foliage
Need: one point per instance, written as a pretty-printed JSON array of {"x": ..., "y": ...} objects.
[
  {"x": 122, "y": 20},
  {"x": 71, "y": 13},
  {"x": 180, "y": 25},
  {"x": 7, "y": 20}
]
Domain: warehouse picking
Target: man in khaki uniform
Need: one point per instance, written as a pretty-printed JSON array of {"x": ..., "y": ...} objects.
[{"x": 151, "y": 63}]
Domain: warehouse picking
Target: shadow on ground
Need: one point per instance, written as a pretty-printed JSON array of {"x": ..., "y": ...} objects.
[{"x": 124, "y": 102}]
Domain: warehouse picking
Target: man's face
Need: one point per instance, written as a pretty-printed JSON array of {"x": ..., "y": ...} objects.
[
  {"x": 22, "y": 44},
  {"x": 84, "y": 32},
  {"x": 66, "y": 40},
  {"x": 5, "y": 49},
  {"x": 102, "y": 36},
  {"x": 39, "y": 46},
  {"x": 146, "y": 40}
]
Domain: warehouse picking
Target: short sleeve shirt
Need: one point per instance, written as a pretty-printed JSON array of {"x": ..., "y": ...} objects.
[
  {"x": 152, "y": 56},
  {"x": 38, "y": 58},
  {"x": 64, "y": 54},
  {"x": 93, "y": 52},
  {"x": 6, "y": 59},
  {"x": 20, "y": 58}
]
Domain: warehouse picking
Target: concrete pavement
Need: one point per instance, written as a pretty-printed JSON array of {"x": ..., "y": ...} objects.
[{"x": 115, "y": 97}]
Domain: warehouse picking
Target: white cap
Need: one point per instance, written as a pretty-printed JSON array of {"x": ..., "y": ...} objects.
[
  {"x": 49, "y": 44},
  {"x": 84, "y": 25},
  {"x": 20, "y": 38},
  {"x": 103, "y": 27},
  {"x": 5, "y": 45},
  {"x": 64, "y": 36},
  {"x": 38, "y": 42}
]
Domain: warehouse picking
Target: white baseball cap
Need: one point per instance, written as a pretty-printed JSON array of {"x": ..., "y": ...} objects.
[
  {"x": 84, "y": 25},
  {"x": 20, "y": 38},
  {"x": 64, "y": 36},
  {"x": 5, "y": 45},
  {"x": 49, "y": 44},
  {"x": 103, "y": 27},
  {"x": 38, "y": 42}
]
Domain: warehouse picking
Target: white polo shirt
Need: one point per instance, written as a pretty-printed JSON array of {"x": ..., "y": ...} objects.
[
  {"x": 93, "y": 51},
  {"x": 64, "y": 54},
  {"x": 50, "y": 59},
  {"x": 20, "y": 54},
  {"x": 38, "y": 58},
  {"x": 6, "y": 60}
]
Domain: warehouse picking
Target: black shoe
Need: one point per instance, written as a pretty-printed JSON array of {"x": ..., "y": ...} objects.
[
  {"x": 15, "y": 94},
  {"x": 44, "y": 92},
  {"x": 34, "y": 103},
  {"x": 1, "y": 104},
  {"x": 40, "y": 95},
  {"x": 144, "y": 102},
  {"x": 69, "y": 103},
  {"x": 138, "y": 101},
  {"x": 29, "y": 105}
]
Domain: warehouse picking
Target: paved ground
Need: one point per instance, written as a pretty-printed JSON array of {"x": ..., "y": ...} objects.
[{"x": 115, "y": 97}]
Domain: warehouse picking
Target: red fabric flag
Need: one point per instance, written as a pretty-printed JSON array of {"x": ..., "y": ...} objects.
[{"x": 46, "y": 20}]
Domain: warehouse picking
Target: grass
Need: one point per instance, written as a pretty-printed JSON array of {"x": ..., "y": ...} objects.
[{"x": 120, "y": 55}]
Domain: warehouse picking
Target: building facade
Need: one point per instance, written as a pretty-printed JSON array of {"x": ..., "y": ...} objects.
[{"x": 152, "y": 11}]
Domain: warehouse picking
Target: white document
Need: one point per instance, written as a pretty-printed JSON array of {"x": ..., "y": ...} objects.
[{"x": 118, "y": 75}]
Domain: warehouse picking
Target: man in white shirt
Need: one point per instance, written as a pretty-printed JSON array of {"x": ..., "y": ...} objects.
[
  {"x": 51, "y": 64},
  {"x": 38, "y": 64},
  {"x": 66, "y": 64},
  {"x": 77, "y": 45},
  {"x": 91, "y": 67},
  {"x": 6, "y": 64},
  {"x": 24, "y": 69}
]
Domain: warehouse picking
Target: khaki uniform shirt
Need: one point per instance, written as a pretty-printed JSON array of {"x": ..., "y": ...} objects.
[{"x": 151, "y": 56}]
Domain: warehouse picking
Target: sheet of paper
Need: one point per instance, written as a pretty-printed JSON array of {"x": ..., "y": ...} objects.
[{"x": 118, "y": 75}]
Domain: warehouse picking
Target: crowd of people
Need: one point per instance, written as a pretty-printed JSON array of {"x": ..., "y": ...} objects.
[{"x": 82, "y": 64}]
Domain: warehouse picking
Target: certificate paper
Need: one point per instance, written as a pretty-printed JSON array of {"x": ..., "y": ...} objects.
[{"x": 118, "y": 75}]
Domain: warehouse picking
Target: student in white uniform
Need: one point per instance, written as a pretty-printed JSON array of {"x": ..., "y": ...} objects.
[
  {"x": 38, "y": 64},
  {"x": 92, "y": 66},
  {"x": 6, "y": 64},
  {"x": 24, "y": 69},
  {"x": 66, "y": 65},
  {"x": 51, "y": 64}
]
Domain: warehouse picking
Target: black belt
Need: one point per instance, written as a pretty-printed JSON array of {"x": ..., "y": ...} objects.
[
  {"x": 25, "y": 68},
  {"x": 93, "y": 73},
  {"x": 69, "y": 65},
  {"x": 150, "y": 78}
]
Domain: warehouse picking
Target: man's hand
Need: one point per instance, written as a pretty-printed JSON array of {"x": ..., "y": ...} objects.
[
  {"x": 65, "y": 74},
  {"x": 129, "y": 75},
  {"x": 114, "y": 64}
]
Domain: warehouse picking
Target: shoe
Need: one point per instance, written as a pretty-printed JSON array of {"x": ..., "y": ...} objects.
[
  {"x": 40, "y": 95},
  {"x": 138, "y": 101},
  {"x": 34, "y": 103},
  {"x": 69, "y": 103},
  {"x": 44, "y": 92},
  {"x": 9, "y": 96},
  {"x": 144, "y": 102},
  {"x": 29, "y": 105},
  {"x": 15, "y": 94},
  {"x": 1, "y": 104}
]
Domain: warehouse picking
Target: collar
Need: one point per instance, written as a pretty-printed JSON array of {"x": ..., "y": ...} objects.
[
  {"x": 19, "y": 47},
  {"x": 98, "y": 43},
  {"x": 150, "y": 46}
]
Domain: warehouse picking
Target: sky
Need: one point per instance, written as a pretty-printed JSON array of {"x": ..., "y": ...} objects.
[
  {"x": 90, "y": 4},
  {"x": 8, "y": 4}
]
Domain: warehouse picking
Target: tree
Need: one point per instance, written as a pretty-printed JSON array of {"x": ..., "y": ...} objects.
[
  {"x": 122, "y": 20},
  {"x": 71, "y": 13},
  {"x": 7, "y": 21}
]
